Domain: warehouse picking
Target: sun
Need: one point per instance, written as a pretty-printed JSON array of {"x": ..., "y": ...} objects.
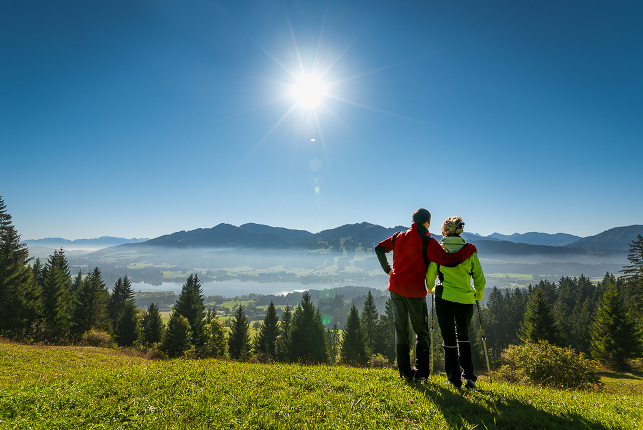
[{"x": 309, "y": 91}]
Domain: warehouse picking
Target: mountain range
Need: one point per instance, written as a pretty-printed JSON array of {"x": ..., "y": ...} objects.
[
  {"x": 350, "y": 236},
  {"x": 366, "y": 235},
  {"x": 340, "y": 256}
]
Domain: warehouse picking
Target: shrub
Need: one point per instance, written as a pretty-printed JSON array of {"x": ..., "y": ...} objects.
[
  {"x": 549, "y": 366},
  {"x": 97, "y": 338},
  {"x": 262, "y": 358},
  {"x": 379, "y": 361}
]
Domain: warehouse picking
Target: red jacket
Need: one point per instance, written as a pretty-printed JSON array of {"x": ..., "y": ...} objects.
[{"x": 409, "y": 268}]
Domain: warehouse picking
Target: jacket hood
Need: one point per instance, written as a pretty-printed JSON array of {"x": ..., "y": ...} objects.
[{"x": 452, "y": 243}]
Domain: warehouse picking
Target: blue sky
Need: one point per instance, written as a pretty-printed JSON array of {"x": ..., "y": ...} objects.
[{"x": 141, "y": 118}]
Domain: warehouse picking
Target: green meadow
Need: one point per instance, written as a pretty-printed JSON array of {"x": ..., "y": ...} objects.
[{"x": 93, "y": 388}]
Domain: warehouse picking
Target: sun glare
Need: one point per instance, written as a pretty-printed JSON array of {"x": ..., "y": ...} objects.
[{"x": 309, "y": 91}]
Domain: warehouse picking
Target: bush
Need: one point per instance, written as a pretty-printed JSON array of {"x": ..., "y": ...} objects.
[
  {"x": 97, "y": 338},
  {"x": 378, "y": 361},
  {"x": 548, "y": 366},
  {"x": 262, "y": 358}
]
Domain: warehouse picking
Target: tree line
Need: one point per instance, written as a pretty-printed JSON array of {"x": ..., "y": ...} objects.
[
  {"x": 43, "y": 302},
  {"x": 602, "y": 321}
]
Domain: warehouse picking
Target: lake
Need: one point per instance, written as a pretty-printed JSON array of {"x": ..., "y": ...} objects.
[{"x": 233, "y": 288}]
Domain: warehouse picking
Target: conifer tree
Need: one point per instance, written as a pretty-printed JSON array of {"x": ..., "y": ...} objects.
[
  {"x": 57, "y": 307},
  {"x": 215, "y": 334},
  {"x": 307, "y": 334},
  {"x": 76, "y": 285},
  {"x": 191, "y": 305},
  {"x": 497, "y": 331},
  {"x": 91, "y": 304},
  {"x": 177, "y": 338},
  {"x": 583, "y": 326},
  {"x": 632, "y": 288},
  {"x": 539, "y": 322},
  {"x": 635, "y": 257},
  {"x": 283, "y": 340},
  {"x": 19, "y": 304},
  {"x": 353, "y": 351},
  {"x": 334, "y": 342},
  {"x": 369, "y": 320},
  {"x": 37, "y": 269},
  {"x": 615, "y": 338},
  {"x": 121, "y": 295},
  {"x": 385, "y": 338},
  {"x": 265, "y": 341},
  {"x": 572, "y": 294},
  {"x": 152, "y": 326},
  {"x": 127, "y": 328},
  {"x": 239, "y": 339}
]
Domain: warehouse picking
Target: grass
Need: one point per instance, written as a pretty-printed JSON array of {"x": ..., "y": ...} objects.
[
  {"x": 91, "y": 388},
  {"x": 623, "y": 383}
]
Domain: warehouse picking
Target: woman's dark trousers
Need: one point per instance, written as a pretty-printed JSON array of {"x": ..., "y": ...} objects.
[{"x": 455, "y": 319}]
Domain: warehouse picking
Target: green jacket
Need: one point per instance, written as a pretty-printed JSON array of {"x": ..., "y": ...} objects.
[{"x": 454, "y": 282}]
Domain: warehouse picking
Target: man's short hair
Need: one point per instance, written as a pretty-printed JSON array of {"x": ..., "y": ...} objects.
[{"x": 420, "y": 216}]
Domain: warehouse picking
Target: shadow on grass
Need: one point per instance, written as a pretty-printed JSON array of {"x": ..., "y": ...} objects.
[
  {"x": 483, "y": 409},
  {"x": 622, "y": 375}
]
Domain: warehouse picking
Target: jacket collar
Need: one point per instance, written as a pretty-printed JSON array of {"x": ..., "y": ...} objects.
[
  {"x": 420, "y": 229},
  {"x": 452, "y": 240}
]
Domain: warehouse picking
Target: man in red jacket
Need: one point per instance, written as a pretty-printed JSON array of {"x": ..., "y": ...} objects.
[{"x": 413, "y": 249}]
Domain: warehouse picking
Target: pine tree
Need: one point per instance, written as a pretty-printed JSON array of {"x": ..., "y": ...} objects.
[
  {"x": 215, "y": 334},
  {"x": 369, "y": 320},
  {"x": 307, "y": 334},
  {"x": 539, "y": 322},
  {"x": 152, "y": 326},
  {"x": 615, "y": 339},
  {"x": 76, "y": 285},
  {"x": 632, "y": 289},
  {"x": 90, "y": 310},
  {"x": 121, "y": 295},
  {"x": 635, "y": 257},
  {"x": 497, "y": 331},
  {"x": 283, "y": 340},
  {"x": 239, "y": 339},
  {"x": 177, "y": 338},
  {"x": 572, "y": 294},
  {"x": 583, "y": 326},
  {"x": 19, "y": 306},
  {"x": 266, "y": 339},
  {"x": 57, "y": 307},
  {"x": 516, "y": 308},
  {"x": 385, "y": 339},
  {"x": 353, "y": 351},
  {"x": 191, "y": 305},
  {"x": 127, "y": 328},
  {"x": 333, "y": 339}
]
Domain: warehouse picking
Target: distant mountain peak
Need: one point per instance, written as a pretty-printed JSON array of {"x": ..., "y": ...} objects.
[{"x": 536, "y": 238}]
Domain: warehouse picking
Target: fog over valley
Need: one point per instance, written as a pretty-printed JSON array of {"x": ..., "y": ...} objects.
[{"x": 261, "y": 259}]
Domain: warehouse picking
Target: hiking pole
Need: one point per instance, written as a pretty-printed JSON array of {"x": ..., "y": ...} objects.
[
  {"x": 432, "y": 346},
  {"x": 484, "y": 341}
]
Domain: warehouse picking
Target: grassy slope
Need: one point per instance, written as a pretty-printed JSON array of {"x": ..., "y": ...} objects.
[{"x": 93, "y": 388}]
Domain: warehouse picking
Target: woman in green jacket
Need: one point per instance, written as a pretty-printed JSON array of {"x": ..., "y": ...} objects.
[{"x": 454, "y": 300}]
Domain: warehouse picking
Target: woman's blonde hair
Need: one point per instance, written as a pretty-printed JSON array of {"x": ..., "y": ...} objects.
[{"x": 452, "y": 226}]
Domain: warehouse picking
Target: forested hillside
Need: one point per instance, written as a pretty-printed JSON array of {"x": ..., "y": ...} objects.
[{"x": 45, "y": 302}]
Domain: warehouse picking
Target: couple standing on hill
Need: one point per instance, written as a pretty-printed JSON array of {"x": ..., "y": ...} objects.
[{"x": 417, "y": 260}]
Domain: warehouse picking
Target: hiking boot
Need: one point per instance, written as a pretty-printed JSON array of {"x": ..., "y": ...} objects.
[
  {"x": 422, "y": 362},
  {"x": 469, "y": 384},
  {"x": 404, "y": 363},
  {"x": 455, "y": 385}
]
